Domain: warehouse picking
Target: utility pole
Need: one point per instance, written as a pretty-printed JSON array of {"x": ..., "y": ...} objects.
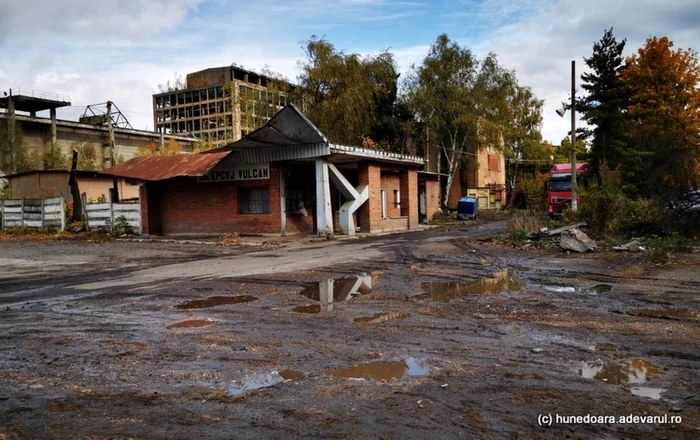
[
  {"x": 110, "y": 128},
  {"x": 574, "y": 197},
  {"x": 11, "y": 134}
]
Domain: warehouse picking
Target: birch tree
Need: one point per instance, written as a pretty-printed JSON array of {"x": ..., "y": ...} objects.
[{"x": 463, "y": 100}]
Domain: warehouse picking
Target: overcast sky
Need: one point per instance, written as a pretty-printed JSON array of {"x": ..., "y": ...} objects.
[{"x": 94, "y": 51}]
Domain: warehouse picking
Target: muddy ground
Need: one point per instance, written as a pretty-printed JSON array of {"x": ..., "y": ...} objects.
[{"x": 436, "y": 334}]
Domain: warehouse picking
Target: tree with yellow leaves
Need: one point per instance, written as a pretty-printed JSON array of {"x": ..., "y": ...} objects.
[
  {"x": 663, "y": 120},
  {"x": 154, "y": 149}
]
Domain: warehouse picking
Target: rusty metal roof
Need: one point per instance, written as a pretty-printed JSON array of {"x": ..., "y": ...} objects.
[{"x": 166, "y": 167}]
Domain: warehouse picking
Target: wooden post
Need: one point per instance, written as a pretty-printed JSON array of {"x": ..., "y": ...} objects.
[{"x": 110, "y": 127}]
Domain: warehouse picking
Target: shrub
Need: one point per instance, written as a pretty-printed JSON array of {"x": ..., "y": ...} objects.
[
  {"x": 607, "y": 209},
  {"x": 530, "y": 193}
]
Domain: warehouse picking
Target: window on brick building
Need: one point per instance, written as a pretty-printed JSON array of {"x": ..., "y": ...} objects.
[
  {"x": 493, "y": 163},
  {"x": 254, "y": 200}
]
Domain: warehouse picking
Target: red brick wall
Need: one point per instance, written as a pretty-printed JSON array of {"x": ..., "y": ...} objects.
[
  {"x": 189, "y": 207},
  {"x": 409, "y": 196},
  {"x": 391, "y": 182},
  {"x": 394, "y": 224},
  {"x": 370, "y": 213}
]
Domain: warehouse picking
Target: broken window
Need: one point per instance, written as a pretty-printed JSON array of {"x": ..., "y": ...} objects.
[
  {"x": 296, "y": 198},
  {"x": 254, "y": 200}
]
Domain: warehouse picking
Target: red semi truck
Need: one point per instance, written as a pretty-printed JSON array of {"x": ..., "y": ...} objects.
[{"x": 559, "y": 186}]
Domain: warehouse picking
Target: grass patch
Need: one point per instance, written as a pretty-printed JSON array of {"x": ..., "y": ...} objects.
[
  {"x": 522, "y": 222},
  {"x": 51, "y": 234}
]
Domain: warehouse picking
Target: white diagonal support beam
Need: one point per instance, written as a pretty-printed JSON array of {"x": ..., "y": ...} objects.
[{"x": 355, "y": 198}]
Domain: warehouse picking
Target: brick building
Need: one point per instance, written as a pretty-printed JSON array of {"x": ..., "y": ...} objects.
[
  {"x": 282, "y": 178},
  {"x": 484, "y": 179}
]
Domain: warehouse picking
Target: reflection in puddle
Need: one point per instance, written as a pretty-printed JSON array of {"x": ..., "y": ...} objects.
[
  {"x": 312, "y": 309},
  {"x": 264, "y": 380},
  {"x": 192, "y": 323},
  {"x": 216, "y": 301},
  {"x": 447, "y": 291},
  {"x": 636, "y": 371},
  {"x": 560, "y": 289},
  {"x": 665, "y": 313},
  {"x": 601, "y": 288},
  {"x": 382, "y": 370},
  {"x": 652, "y": 393},
  {"x": 340, "y": 289},
  {"x": 292, "y": 375},
  {"x": 381, "y": 317},
  {"x": 604, "y": 346}
]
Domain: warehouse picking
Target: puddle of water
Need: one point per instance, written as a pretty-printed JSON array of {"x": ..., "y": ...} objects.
[
  {"x": 652, "y": 393},
  {"x": 636, "y": 371},
  {"x": 447, "y": 291},
  {"x": 665, "y": 313},
  {"x": 382, "y": 317},
  {"x": 604, "y": 346},
  {"x": 292, "y": 375},
  {"x": 601, "y": 288},
  {"x": 216, "y": 301},
  {"x": 560, "y": 289},
  {"x": 339, "y": 289},
  {"x": 264, "y": 380},
  {"x": 382, "y": 370},
  {"x": 192, "y": 323},
  {"x": 311, "y": 309}
]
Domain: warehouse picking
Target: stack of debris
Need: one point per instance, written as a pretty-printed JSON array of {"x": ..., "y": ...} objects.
[
  {"x": 571, "y": 238},
  {"x": 632, "y": 246}
]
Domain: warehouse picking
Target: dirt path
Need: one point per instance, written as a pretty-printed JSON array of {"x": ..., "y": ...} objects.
[{"x": 445, "y": 336}]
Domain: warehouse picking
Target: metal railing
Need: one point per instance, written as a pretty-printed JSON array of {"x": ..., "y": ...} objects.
[{"x": 36, "y": 94}]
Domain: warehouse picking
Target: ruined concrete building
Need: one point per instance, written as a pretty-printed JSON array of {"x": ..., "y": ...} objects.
[{"x": 219, "y": 105}]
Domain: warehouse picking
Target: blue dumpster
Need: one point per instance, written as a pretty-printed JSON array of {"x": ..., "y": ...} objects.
[{"x": 467, "y": 208}]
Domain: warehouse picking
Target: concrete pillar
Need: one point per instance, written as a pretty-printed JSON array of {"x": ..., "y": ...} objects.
[
  {"x": 53, "y": 127},
  {"x": 325, "y": 293},
  {"x": 324, "y": 214},
  {"x": 283, "y": 202}
]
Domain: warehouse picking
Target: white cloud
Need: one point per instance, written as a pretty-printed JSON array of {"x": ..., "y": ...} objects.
[
  {"x": 106, "y": 20},
  {"x": 96, "y": 51},
  {"x": 541, "y": 46}
]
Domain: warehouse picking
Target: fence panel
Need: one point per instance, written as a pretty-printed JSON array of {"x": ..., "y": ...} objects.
[
  {"x": 33, "y": 213},
  {"x": 106, "y": 215}
]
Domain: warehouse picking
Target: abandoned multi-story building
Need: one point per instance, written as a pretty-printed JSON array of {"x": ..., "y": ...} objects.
[{"x": 220, "y": 104}]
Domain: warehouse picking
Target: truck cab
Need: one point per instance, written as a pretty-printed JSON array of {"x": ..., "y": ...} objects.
[{"x": 559, "y": 186}]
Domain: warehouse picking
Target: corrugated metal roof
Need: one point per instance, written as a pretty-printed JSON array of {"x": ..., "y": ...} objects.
[{"x": 166, "y": 167}]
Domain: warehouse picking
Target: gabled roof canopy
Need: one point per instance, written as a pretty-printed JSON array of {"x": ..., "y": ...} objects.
[{"x": 289, "y": 135}]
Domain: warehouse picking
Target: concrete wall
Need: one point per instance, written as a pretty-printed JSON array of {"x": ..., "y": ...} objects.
[
  {"x": 55, "y": 184},
  {"x": 36, "y": 133}
]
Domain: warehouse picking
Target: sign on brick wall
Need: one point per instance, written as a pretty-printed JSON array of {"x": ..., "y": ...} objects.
[{"x": 258, "y": 171}]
